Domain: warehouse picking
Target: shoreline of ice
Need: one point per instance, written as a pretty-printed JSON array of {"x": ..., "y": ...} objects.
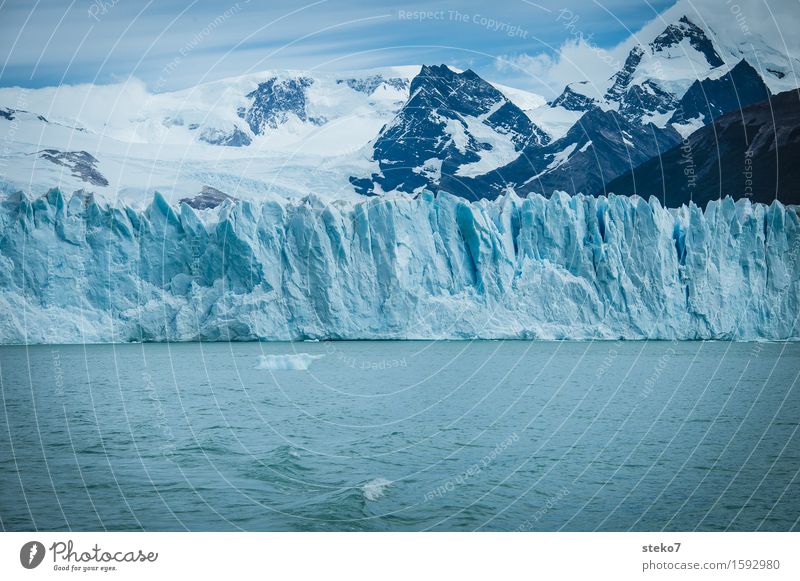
[{"x": 77, "y": 270}]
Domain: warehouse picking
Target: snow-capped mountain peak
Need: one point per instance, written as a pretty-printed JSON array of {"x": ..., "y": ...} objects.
[
  {"x": 749, "y": 29},
  {"x": 685, "y": 29},
  {"x": 454, "y": 125},
  {"x": 669, "y": 64}
]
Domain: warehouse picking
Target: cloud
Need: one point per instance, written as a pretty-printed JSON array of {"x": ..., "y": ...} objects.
[
  {"x": 49, "y": 43},
  {"x": 759, "y": 30},
  {"x": 576, "y": 60}
]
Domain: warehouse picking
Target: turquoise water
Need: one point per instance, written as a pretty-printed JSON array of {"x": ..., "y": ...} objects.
[{"x": 401, "y": 436}]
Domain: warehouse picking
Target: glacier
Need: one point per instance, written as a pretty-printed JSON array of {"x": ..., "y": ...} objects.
[{"x": 79, "y": 269}]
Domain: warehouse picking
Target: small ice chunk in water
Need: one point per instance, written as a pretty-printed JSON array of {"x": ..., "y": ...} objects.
[
  {"x": 375, "y": 489},
  {"x": 297, "y": 361}
]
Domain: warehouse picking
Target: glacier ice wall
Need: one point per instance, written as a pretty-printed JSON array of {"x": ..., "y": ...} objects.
[{"x": 73, "y": 269}]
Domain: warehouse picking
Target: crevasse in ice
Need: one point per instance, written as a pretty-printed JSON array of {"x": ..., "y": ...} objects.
[{"x": 73, "y": 269}]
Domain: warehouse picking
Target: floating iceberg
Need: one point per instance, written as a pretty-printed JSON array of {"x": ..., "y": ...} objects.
[
  {"x": 296, "y": 361},
  {"x": 75, "y": 269}
]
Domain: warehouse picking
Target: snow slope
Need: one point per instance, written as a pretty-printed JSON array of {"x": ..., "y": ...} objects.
[
  {"x": 312, "y": 132},
  {"x": 329, "y": 114},
  {"x": 75, "y": 269},
  {"x": 129, "y": 112},
  {"x": 135, "y": 170}
]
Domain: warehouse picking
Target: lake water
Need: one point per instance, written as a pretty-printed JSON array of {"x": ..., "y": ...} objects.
[{"x": 401, "y": 436}]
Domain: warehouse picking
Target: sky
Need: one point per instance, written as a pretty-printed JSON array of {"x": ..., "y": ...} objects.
[{"x": 172, "y": 45}]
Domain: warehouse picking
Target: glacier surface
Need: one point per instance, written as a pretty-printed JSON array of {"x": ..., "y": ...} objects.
[{"x": 76, "y": 269}]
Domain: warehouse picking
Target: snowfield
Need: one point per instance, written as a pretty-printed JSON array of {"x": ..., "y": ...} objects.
[
  {"x": 146, "y": 142},
  {"x": 78, "y": 270}
]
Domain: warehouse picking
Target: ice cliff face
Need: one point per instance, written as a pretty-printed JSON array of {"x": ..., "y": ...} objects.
[{"x": 73, "y": 269}]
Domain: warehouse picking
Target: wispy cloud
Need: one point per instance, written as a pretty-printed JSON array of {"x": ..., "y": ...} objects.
[{"x": 107, "y": 40}]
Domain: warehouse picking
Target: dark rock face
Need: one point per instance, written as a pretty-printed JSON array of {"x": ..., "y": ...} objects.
[
  {"x": 7, "y": 114},
  {"x": 572, "y": 100},
  {"x": 430, "y": 138},
  {"x": 274, "y": 100},
  {"x": 602, "y": 144},
  {"x": 753, "y": 153},
  {"x": 510, "y": 120},
  {"x": 207, "y": 198},
  {"x": 646, "y": 99},
  {"x": 233, "y": 138},
  {"x": 711, "y": 98},
  {"x": 80, "y": 163},
  {"x": 623, "y": 77},
  {"x": 616, "y": 145},
  {"x": 418, "y": 150}
]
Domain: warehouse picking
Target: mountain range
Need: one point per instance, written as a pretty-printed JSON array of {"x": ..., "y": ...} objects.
[{"x": 686, "y": 82}]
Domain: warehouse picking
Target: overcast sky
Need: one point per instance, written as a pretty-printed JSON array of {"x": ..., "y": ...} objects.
[{"x": 172, "y": 45}]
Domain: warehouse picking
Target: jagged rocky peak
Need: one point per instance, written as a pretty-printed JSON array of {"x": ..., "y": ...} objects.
[
  {"x": 444, "y": 90},
  {"x": 646, "y": 99},
  {"x": 675, "y": 78},
  {"x": 686, "y": 29},
  {"x": 666, "y": 50},
  {"x": 274, "y": 101},
  {"x": 457, "y": 95},
  {"x": 622, "y": 78},
  {"x": 454, "y": 125},
  {"x": 575, "y": 97}
]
